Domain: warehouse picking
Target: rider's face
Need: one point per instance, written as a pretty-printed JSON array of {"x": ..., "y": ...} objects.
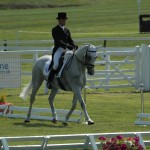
[{"x": 62, "y": 22}]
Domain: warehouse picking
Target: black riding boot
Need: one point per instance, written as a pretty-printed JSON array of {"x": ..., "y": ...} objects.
[{"x": 50, "y": 78}]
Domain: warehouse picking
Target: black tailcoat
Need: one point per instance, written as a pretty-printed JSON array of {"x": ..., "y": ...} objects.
[{"x": 61, "y": 38}]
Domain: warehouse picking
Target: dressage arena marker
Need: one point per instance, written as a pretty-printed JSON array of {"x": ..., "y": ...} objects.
[
  {"x": 142, "y": 115},
  {"x": 39, "y": 113},
  {"x": 89, "y": 141}
]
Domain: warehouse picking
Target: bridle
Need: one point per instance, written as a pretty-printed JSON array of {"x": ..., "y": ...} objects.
[
  {"x": 84, "y": 61},
  {"x": 88, "y": 65}
]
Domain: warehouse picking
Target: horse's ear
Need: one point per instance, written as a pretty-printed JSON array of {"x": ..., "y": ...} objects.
[{"x": 88, "y": 46}]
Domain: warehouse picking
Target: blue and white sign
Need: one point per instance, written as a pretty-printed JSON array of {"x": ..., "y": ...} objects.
[{"x": 10, "y": 71}]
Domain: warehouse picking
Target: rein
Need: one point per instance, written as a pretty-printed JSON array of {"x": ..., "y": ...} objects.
[{"x": 69, "y": 62}]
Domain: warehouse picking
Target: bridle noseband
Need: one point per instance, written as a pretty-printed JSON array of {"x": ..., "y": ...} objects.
[{"x": 88, "y": 65}]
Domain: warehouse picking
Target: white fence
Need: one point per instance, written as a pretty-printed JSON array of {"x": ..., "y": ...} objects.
[
  {"x": 39, "y": 113},
  {"x": 114, "y": 71},
  {"x": 46, "y": 44},
  {"x": 72, "y": 141}
]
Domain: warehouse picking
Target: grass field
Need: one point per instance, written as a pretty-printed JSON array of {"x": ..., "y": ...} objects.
[
  {"x": 99, "y": 19},
  {"x": 112, "y": 111}
]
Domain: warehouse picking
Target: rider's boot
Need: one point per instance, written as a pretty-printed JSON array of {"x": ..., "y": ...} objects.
[{"x": 50, "y": 78}]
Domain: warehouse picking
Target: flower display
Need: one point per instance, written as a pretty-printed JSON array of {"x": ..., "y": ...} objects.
[
  {"x": 2, "y": 98},
  {"x": 121, "y": 143}
]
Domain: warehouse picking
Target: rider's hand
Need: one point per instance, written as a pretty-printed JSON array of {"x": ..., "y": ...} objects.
[
  {"x": 75, "y": 47},
  {"x": 70, "y": 47}
]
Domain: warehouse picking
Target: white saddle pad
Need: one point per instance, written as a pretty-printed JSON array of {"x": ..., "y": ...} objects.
[
  {"x": 67, "y": 57},
  {"x": 46, "y": 71}
]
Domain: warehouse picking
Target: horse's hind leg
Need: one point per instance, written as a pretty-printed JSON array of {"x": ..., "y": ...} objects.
[
  {"x": 37, "y": 81},
  {"x": 32, "y": 99},
  {"x": 51, "y": 102},
  {"x": 74, "y": 104}
]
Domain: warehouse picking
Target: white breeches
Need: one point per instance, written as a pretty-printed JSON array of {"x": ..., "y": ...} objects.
[{"x": 57, "y": 56}]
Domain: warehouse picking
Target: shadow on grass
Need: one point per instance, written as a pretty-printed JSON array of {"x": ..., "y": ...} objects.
[{"x": 41, "y": 124}]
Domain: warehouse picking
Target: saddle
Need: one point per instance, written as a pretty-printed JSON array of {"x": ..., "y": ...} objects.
[{"x": 64, "y": 62}]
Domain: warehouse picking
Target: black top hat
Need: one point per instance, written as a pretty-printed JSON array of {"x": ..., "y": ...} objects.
[{"x": 62, "y": 15}]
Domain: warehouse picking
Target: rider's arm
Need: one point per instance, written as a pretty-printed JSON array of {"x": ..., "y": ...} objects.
[{"x": 57, "y": 39}]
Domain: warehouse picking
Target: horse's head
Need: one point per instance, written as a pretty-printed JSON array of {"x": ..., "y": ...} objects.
[
  {"x": 90, "y": 58},
  {"x": 87, "y": 55}
]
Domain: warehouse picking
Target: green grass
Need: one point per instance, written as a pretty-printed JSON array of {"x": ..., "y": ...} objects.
[
  {"x": 112, "y": 111},
  {"x": 100, "y": 19}
]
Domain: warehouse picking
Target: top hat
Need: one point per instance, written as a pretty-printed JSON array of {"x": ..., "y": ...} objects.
[{"x": 62, "y": 15}]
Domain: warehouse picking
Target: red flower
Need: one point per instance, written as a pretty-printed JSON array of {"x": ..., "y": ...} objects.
[
  {"x": 123, "y": 147},
  {"x": 102, "y": 138},
  {"x": 113, "y": 140},
  {"x": 119, "y": 137},
  {"x": 130, "y": 139},
  {"x": 136, "y": 139},
  {"x": 121, "y": 143}
]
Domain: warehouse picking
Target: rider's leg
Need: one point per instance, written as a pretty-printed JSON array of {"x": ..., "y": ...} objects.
[
  {"x": 52, "y": 73},
  {"x": 51, "y": 77}
]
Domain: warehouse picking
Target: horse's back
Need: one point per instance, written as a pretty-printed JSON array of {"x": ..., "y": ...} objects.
[
  {"x": 40, "y": 63},
  {"x": 44, "y": 58}
]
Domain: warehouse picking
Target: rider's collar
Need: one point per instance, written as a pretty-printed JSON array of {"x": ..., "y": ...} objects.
[{"x": 63, "y": 27}]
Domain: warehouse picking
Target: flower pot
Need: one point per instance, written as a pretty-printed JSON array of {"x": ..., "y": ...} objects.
[{"x": 6, "y": 104}]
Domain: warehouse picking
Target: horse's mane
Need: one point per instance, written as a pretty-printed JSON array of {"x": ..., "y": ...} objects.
[{"x": 81, "y": 50}]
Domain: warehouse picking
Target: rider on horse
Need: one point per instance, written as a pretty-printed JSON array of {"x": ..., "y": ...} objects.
[{"x": 62, "y": 41}]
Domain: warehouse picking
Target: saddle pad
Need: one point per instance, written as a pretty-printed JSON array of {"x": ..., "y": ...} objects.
[
  {"x": 46, "y": 67},
  {"x": 67, "y": 56}
]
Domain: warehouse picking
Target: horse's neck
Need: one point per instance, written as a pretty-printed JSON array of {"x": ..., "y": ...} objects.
[
  {"x": 79, "y": 63},
  {"x": 80, "y": 53}
]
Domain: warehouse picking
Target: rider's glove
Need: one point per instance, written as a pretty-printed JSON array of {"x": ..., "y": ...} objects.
[
  {"x": 70, "y": 47},
  {"x": 75, "y": 47}
]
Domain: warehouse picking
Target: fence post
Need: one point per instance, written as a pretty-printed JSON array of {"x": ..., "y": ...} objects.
[
  {"x": 107, "y": 67},
  {"x": 5, "y": 45},
  {"x": 145, "y": 67},
  {"x": 137, "y": 64},
  {"x": 4, "y": 144}
]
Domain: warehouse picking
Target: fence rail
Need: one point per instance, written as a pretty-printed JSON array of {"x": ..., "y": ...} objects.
[
  {"x": 114, "y": 70},
  {"x": 38, "y": 113},
  {"x": 71, "y": 141},
  {"x": 40, "y": 44}
]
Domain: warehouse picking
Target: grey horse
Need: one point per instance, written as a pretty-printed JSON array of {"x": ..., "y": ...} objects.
[{"x": 73, "y": 78}]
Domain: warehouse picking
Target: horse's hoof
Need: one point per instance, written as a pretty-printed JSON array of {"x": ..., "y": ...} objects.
[
  {"x": 65, "y": 123},
  {"x": 54, "y": 121},
  {"x": 26, "y": 121},
  {"x": 90, "y": 122}
]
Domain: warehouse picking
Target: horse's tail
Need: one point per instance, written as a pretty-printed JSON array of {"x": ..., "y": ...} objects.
[{"x": 26, "y": 91}]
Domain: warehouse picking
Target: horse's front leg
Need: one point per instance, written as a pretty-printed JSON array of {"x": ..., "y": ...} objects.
[
  {"x": 78, "y": 94},
  {"x": 74, "y": 104},
  {"x": 51, "y": 102}
]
